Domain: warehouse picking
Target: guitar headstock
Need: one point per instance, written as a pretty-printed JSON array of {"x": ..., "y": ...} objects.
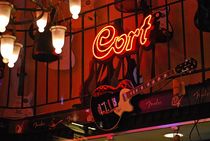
[{"x": 187, "y": 66}]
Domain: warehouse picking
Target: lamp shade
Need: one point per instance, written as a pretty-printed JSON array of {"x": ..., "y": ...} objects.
[
  {"x": 58, "y": 36},
  {"x": 7, "y": 46},
  {"x": 5, "y": 11},
  {"x": 42, "y": 22},
  {"x": 14, "y": 56},
  {"x": 75, "y": 8}
]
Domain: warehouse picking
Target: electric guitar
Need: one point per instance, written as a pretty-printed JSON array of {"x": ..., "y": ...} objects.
[{"x": 108, "y": 103}]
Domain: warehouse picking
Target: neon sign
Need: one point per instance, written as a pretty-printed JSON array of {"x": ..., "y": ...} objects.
[{"x": 107, "y": 43}]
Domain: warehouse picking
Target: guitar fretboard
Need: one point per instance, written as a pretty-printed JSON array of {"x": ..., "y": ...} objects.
[{"x": 137, "y": 90}]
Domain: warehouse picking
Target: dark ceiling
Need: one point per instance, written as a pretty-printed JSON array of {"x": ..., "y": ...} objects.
[{"x": 190, "y": 130}]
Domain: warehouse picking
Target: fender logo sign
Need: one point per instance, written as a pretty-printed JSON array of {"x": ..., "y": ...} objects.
[{"x": 107, "y": 43}]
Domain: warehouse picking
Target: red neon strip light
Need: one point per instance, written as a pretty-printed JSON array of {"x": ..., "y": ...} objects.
[{"x": 107, "y": 43}]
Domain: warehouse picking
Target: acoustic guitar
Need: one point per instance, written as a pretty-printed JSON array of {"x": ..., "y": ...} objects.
[{"x": 108, "y": 104}]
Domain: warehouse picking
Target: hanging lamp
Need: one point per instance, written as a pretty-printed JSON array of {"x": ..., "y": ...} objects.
[
  {"x": 42, "y": 22},
  {"x": 14, "y": 56},
  {"x": 75, "y": 8},
  {"x": 5, "y": 11},
  {"x": 58, "y": 37},
  {"x": 7, "y": 46}
]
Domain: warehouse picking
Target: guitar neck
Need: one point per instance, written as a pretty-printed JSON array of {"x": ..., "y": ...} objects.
[{"x": 149, "y": 84}]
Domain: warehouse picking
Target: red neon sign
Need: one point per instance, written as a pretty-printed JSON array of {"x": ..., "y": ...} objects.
[{"x": 107, "y": 43}]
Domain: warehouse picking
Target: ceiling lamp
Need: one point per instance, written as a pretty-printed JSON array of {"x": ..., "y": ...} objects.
[
  {"x": 39, "y": 13},
  {"x": 172, "y": 135},
  {"x": 75, "y": 8},
  {"x": 7, "y": 45},
  {"x": 58, "y": 37},
  {"x": 14, "y": 56},
  {"x": 42, "y": 21},
  {"x": 5, "y": 11}
]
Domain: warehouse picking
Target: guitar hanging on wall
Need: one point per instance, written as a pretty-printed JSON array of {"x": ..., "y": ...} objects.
[
  {"x": 202, "y": 16},
  {"x": 109, "y": 103},
  {"x": 128, "y": 6},
  {"x": 163, "y": 34}
]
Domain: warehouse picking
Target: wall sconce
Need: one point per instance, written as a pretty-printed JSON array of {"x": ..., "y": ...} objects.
[
  {"x": 7, "y": 46},
  {"x": 5, "y": 11},
  {"x": 42, "y": 21},
  {"x": 14, "y": 56},
  {"x": 75, "y": 8},
  {"x": 58, "y": 36}
]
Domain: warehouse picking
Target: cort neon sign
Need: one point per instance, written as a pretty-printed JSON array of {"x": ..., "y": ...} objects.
[{"x": 107, "y": 43}]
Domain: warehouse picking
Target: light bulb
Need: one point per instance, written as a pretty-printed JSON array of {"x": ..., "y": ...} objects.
[
  {"x": 58, "y": 50},
  {"x": 10, "y": 65},
  {"x": 41, "y": 29},
  {"x": 75, "y": 16},
  {"x": 171, "y": 135}
]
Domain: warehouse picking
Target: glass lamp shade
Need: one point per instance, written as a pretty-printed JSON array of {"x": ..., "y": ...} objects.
[
  {"x": 7, "y": 46},
  {"x": 5, "y": 11},
  {"x": 75, "y": 8},
  {"x": 42, "y": 22},
  {"x": 14, "y": 56},
  {"x": 58, "y": 36}
]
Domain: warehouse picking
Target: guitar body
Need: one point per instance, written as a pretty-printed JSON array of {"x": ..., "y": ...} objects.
[{"x": 108, "y": 105}]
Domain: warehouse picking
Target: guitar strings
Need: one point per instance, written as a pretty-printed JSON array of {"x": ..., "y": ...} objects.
[{"x": 163, "y": 86}]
